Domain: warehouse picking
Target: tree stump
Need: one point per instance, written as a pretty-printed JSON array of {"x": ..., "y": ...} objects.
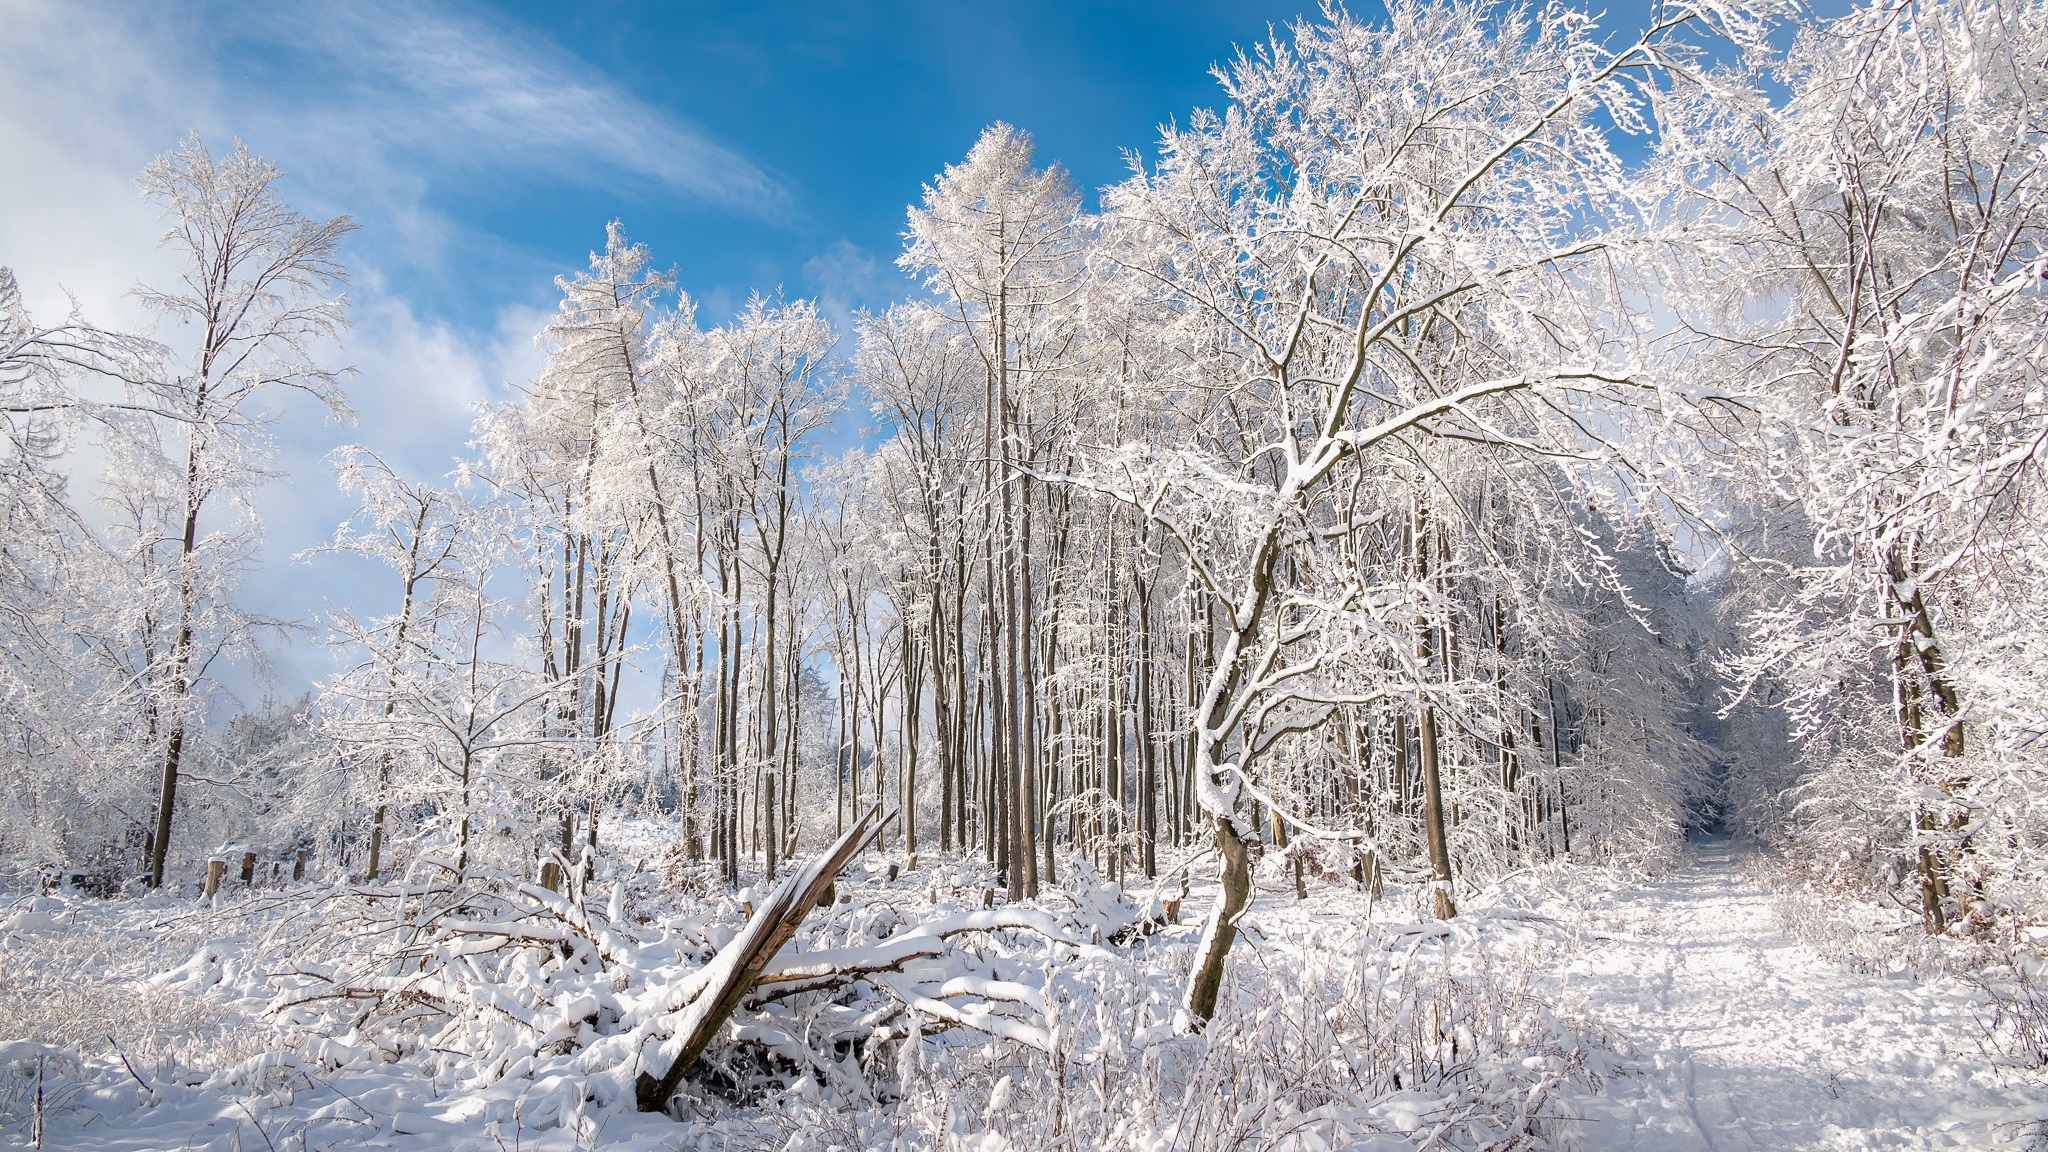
[{"x": 214, "y": 870}]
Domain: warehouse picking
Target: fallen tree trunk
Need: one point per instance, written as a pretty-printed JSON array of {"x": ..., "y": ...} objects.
[
  {"x": 837, "y": 967},
  {"x": 724, "y": 982}
]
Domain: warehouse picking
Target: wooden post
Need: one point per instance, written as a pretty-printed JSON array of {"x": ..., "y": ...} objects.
[
  {"x": 248, "y": 869},
  {"x": 214, "y": 869},
  {"x": 299, "y": 866},
  {"x": 551, "y": 876}
]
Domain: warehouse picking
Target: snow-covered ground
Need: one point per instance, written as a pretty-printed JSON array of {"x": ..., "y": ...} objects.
[
  {"x": 1747, "y": 1039},
  {"x": 1675, "y": 1012}
]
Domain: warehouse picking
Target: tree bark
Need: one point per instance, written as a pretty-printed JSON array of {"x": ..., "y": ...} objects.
[
  {"x": 1433, "y": 818},
  {"x": 1220, "y": 931}
]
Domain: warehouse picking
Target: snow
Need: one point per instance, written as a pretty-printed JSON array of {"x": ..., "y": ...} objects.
[
  {"x": 1747, "y": 1038},
  {"x": 1608, "y": 1009}
]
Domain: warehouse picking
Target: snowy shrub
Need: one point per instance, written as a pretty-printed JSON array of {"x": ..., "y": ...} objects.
[
  {"x": 129, "y": 980},
  {"x": 2019, "y": 1014},
  {"x": 1370, "y": 1036},
  {"x": 906, "y": 1011}
]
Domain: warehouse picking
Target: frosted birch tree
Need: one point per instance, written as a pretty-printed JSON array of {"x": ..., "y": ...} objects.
[
  {"x": 773, "y": 389},
  {"x": 255, "y": 309},
  {"x": 418, "y": 532},
  {"x": 1000, "y": 240},
  {"x": 447, "y": 729},
  {"x": 65, "y": 728}
]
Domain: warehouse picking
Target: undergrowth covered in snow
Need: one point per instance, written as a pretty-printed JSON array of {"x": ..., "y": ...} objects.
[
  {"x": 915, "y": 1012},
  {"x": 1563, "y": 1008},
  {"x": 2008, "y": 967},
  {"x": 2010, "y": 970}
]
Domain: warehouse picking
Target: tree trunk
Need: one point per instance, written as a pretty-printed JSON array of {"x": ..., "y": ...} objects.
[
  {"x": 166, "y": 799},
  {"x": 1220, "y": 931},
  {"x": 740, "y": 962},
  {"x": 913, "y": 702},
  {"x": 181, "y": 656},
  {"x": 1433, "y": 818},
  {"x": 1917, "y": 658},
  {"x": 768, "y": 814},
  {"x": 1426, "y": 735},
  {"x": 1148, "y": 748}
]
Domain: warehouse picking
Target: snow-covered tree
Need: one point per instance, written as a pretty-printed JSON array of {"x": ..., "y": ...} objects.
[
  {"x": 417, "y": 531},
  {"x": 1361, "y": 274},
  {"x": 1000, "y": 241},
  {"x": 253, "y": 312},
  {"x": 1866, "y": 271},
  {"x": 74, "y": 798}
]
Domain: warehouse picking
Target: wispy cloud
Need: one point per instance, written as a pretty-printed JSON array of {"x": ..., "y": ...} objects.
[
  {"x": 440, "y": 86},
  {"x": 849, "y": 278},
  {"x": 84, "y": 103},
  {"x": 389, "y": 112}
]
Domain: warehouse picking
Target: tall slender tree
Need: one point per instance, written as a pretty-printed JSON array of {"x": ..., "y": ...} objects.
[{"x": 255, "y": 304}]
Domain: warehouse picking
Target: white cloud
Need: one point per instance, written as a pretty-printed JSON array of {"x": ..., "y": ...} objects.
[
  {"x": 442, "y": 84},
  {"x": 373, "y": 107},
  {"x": 419, "y": 381},
  {"x": 84, "y": 104},
  {"x": 849, "y": 278},
  {"x": 384, "y": 104}
]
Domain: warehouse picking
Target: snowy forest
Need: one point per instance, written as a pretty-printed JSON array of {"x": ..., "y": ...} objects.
[{"x": 1201, "y": 671}]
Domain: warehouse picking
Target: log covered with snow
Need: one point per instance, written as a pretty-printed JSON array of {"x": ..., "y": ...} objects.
[{"x": 708, "y": 997}]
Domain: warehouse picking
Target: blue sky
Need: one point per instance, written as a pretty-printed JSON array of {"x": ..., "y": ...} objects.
[
  {"x": 752, "y": 147},
  {"x": 482, "y": 148}
]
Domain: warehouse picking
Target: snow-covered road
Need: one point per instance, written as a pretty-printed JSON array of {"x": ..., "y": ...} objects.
[{"x": 1747, "y": 1039}]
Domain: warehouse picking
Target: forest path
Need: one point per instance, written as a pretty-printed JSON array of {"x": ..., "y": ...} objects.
[{"x": 1748, "y": 1039}]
